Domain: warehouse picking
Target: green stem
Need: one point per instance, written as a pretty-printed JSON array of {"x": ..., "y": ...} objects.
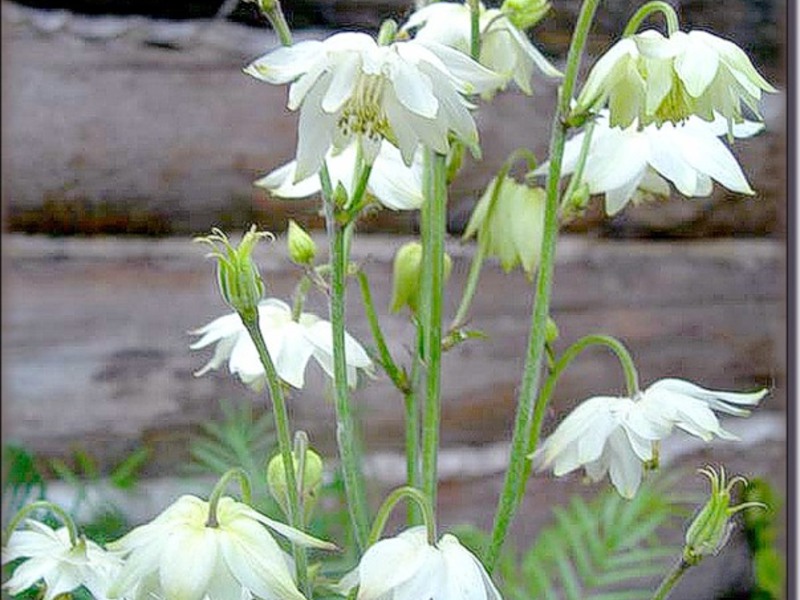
[
  {"x": 72, "y": 529},
  {"x": 299, "y": 296},
  {"x": 284, "y": 442},
  {"x": 420, "y": 500},
  {"x": 514, "y": 483},
  {"x": 274, "y": 13},
  {"x": 628, "y": 367},
  {"x": 648, "y": 9},
  {"x": 219, "y": 489},
  {"x": 577, "y": 175},
  {"x": 391, "y": 368},
  {"x": 435, "y": 222},
  {"x": 345, "y": 426},
  {"x": 470, "y": 287},
  {"x": 671, "y": 579},
  {"x": 475, "y": 29},
  {"x": 412, "y": 431}
]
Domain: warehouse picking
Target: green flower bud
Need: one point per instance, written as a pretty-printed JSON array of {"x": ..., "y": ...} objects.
[
  {"x": 575, "y": 205},
  {"x": 407, "y": 274},
  {"x": 710, "y": 529},
  {"x": 525, "y": 13},
  {"x": 551, "y": 331},
  {"x": 311, "y": 481},
  {"x": 239, "y": 281},
  {"x": 509, "y": 223},
  {"x": 302, "y": 249}
]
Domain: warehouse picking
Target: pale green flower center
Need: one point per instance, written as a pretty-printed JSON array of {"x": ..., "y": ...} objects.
[{"x": 364, "y": 114}]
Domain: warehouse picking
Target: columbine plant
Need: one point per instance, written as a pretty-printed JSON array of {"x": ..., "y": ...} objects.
[{"x": 385, "y": 122}]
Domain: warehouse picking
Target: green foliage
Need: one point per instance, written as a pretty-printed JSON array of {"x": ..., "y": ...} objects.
[
  {"x": 769, "y": 568},
  {"x": 22, "y": 480},
  {"x": 606, "y": 549}
]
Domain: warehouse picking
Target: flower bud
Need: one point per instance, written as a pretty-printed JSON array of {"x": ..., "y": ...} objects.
[
  {"x": 525, "y": 13},
  {"x": 311, "y": 483},
  {"x": 575, "y": 205},
  {"x": 509, "y": 223},
  {"x": 710, "y": 529},
  {"x": 407, "y": 275},
  {"x": 302, "y": 249},
  {"x": 551, "y": 331},
  {"x": 239, "y": 281}
]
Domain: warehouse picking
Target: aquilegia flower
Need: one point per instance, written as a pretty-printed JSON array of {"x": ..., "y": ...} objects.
[
  {"x": 689, "y": 154},
  {"x": 52, "y": 559},
  {"x": 347, "y": 88},
  {"x": 504, "y": 48},
  {"x": 614, "y": 435},
  {"x": 391, "y": 182},
  {"x": 407, "y": 567},
  {"x": 290, "y": 344},
  {"x": 179, "y": 555},
  {"x": 656, "y": 79}
]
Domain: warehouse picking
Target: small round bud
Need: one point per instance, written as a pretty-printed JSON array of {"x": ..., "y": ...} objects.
[
  {"x": 551, "y": 331},
  {"x": 311, "y": 481},
  {"x": 407, "y": 275},
  {"x": 302, "y": 249}
]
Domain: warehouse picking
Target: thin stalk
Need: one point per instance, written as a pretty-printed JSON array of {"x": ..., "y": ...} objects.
[
  {"x": 514, "y": 483},
  {"x": 72, "y": 529},
  {"x": 345, "y": 426},
  {"x": 274, "y": 14},
  {"x": 284, "y": 444},
  {"x": 671, "y": 579},
  {"x": 411, "y": 407},
  {"x": 418, "y": 498},
  {"x": 219, "y": 489},
  {"x": 391, "y": 368},
  {"x": 475, "y": 29},
  {"x": 577, "y": 175},
  {"x": 470, "y": 287},
  {"x": 435, "y": 208},
  {"x": 648, "y": 9}
]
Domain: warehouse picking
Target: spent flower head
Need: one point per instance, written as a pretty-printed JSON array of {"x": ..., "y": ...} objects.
[
  {"x": 348, "y": 88},
  {"x": 710, "y": 529}
]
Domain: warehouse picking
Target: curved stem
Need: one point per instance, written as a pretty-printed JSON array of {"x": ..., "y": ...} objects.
[
  {"x": 299, "y": 297},
  {"x": 411, "y": 493},
  {"x": 648, "y": 9},
  {"x": 470, "y": 287},
  {"x": 274, "y": 14},
  {"x": 513, "y": 485},
  {"x": 23, "y": 512},
  {"x": 435, "y": 224},
  {"x": 671, "y": 579},
  {"x": 219, "y": 489},
  {"x": 284, "y": 441}
]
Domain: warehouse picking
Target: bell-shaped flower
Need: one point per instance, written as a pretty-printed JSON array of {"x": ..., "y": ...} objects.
[
  {"x": 509, "y": 223},
  {"x": 391, "y": 182},
  {"x": 655, "y": 79},
  {"x": 623, "y": 163},
  {"x": 615, "y": 435},
  {"x": 503, "y": 49},
  {"x": 53, "y": 560},
  {"x": 407, "y": 567},
  {"x": 180, "y": 555},
  {"x": 290, "y": 344},
  {"x": 347, "y": 88}
]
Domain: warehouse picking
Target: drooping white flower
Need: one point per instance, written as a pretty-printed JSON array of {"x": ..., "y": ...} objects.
[
  {"x": 391, "y": 182},
  {"x": 504, "y": 48},
  {"x": 407, "y": 567},
  {"x": 655, "y": 79},
  {"x": 179, "y": 556},
  {"x": 614, "y": 435},
  {"x": 290, "y": 344},
  {"x": 690, "y": 155},
  {"x": 52, "y": 559},
  {"x": 347, "y": 88}
]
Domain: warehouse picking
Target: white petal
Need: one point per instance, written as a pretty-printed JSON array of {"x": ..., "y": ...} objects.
[
  {"x": 394, "y": 184},
  {"x": 281, "y": 183},
  {"x": 185, "y": 575},
  {"x": 465, "y": 579},
  {"x": 387, "y": 564},
  {"x": 710, "y": 156},
  {"x": 315, "y": 133},
  {"x": 625, "y": 468},
  {"x": 696, "y": 66},
  {"x": 286, "y": 63},
  {"x": 342, "y": 83},
  {"x": 414, "y": 89}
]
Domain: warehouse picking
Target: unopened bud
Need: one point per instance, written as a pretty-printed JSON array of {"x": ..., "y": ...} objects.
[
  {"x": 311, "y": 480},
  {"x": 551, "y": 331},
  {"x": 302, "y": 249},
  {"x": 525, "y": 13},
  {"x": 407, "y": 275}
]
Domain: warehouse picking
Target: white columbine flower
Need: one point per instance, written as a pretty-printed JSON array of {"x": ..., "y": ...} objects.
[
  {"x": 407, "y": 567},
  {"x": 52, "y": 559},
  {"x": 290, "y": 344},
  {"x": 348, "y": 87},
  {"x": 689, "y": 154},
  {"x": 504, "y": 48},
  {"x": 614, "y": 435},
  {"x": 178, "y": 556},
  {"x": 654, "y": 78},
  {"x": 391, "y": 182}
]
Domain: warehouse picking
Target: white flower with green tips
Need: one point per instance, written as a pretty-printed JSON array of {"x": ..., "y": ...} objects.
[
  {"x": 615, "y": 435},
  {"x": 347, "y": 88},
  {"x": 180, "y": 555},
  {"x": 291, "y": 344},
  {"x": 623, "y": 163},
  {"x": 51, "y": 559},
  {"x": 391, "y": 182},
  {"x": 504, "y": 48},
  {"x": 656, "y": 79},
  {"x": 407, "y": 567}
]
